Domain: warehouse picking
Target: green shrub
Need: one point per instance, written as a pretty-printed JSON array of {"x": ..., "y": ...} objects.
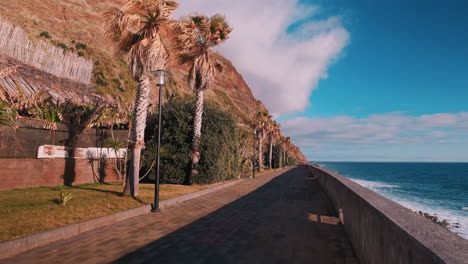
[
  {"x": 7, "y": 114},
  {"x": 45, "y": 34},
  {"x": 80, "y": 45},
  {"x": 101, "y": 82},
  {"x": 62, "y": 45},
  {"x": 219, "y": 143},
  {"x": 277, "y": 156}
]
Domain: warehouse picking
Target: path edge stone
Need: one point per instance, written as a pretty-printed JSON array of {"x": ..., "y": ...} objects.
[{"x": 23, "y": 244}]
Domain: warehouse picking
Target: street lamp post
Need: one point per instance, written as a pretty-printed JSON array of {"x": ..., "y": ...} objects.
[
  {"x": 254, "y": 154},
  {"x": 160, "y": 76}
]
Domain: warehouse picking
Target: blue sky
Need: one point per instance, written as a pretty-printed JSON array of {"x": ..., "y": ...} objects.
[
  {"x": 356, "y": 80},
  {"x": 407, "y": 56}
]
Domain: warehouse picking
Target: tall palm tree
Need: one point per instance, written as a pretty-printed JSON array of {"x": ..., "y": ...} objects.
[
  {"x": 135, "y": 28},
  {"x": 261, "y": 125},
  {"x": 199, "y": 33},
  {"x": 286, "y": 146},
  {"x": 273, "y": 135}
]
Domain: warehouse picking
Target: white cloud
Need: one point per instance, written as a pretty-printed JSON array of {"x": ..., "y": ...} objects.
[
  {"x": 403, "y": 134},
  {"x": 281, "y": 68}
]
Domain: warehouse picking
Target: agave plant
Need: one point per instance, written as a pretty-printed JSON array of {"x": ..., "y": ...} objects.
[
  {"x": 197, "y": 35},
  {"x": 135, "y": 28},
  {"x": 65, "y": 198},
  {"x": 119, "y": 164},
  {"x": 149, "y": 157}
]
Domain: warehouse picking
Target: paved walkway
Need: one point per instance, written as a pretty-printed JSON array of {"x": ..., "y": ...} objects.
[{"x": 280, "y": 217}]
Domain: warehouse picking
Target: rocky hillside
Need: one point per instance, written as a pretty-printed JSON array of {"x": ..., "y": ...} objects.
[{"x": 77, "y": 26}]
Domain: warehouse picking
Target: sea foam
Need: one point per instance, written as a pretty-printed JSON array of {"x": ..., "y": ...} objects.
[
  {"x": 458, "y": 222},
  {"x": 374, "y": 185}
]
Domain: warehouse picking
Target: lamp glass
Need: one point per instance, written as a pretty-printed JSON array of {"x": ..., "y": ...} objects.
[{"x": 160, "y": 76}]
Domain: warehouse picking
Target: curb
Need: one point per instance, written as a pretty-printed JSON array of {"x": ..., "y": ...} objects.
[{"x": 20, "y": 245}]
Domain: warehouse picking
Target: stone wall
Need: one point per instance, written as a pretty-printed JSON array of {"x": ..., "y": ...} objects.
[
  {"x": 24, "y": 173},
  {"x": 24, "y": 141},
  {"x": 383, "y": 231}
]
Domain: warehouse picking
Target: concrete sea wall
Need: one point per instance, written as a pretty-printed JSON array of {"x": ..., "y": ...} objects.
[{"x": 383, "y": 231}]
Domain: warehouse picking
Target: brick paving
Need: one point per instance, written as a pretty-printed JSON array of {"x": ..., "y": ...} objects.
[{"x": 279, "y": 217}]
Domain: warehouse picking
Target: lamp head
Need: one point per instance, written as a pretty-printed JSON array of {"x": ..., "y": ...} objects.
[{"x": 160, "y": 77}]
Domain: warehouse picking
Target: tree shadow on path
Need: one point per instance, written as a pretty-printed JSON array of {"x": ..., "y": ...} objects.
[{"x": 277, "y": 223}]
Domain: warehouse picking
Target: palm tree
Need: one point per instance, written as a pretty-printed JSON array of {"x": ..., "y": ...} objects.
[
  {"x": 286, "y": 146},
  {"x": 273, "y": 135},
  {"x": 135, "y": 28},
  {"x": 199, "y": 33},
  {"x": 261, "y": 125}
]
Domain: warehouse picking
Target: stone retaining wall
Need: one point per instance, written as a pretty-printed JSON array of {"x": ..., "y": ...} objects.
[
  {"x": 383, "y": 231},
  {"x": 19, "y": 167},
  {"x": 24, "y": 141},
  {"x": 24, "y": 173}
]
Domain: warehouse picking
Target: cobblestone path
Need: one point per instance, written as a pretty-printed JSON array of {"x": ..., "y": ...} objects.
[{"x": 279, "y": 217}]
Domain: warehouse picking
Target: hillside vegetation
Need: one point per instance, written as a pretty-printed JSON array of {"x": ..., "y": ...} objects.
[{"x": 77, "y": 25}]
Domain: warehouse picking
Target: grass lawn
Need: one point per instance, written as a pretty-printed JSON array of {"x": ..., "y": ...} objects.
[{"x": 32, "y": 210}]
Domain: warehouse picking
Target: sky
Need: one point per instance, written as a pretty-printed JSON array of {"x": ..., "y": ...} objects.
[{"x": 356, "y": 80}]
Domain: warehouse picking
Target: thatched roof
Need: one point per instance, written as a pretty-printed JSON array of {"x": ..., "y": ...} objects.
[
  {"x": 15, "y": 43},
  {"x": 18, "y": 79},
  {"x": 33, "y": 67}
]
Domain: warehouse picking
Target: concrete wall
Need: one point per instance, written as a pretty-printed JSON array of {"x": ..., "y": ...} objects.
[{"x": 383, "y": 231}]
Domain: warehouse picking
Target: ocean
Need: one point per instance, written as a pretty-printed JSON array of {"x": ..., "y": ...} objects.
[{"x": 440, "y": 189}]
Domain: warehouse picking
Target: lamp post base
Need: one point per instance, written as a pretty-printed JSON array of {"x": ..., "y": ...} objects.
[{"x": 154, "y": 209}]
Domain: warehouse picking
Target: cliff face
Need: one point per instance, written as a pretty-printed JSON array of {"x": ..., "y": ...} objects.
[{"x": 69, "y": 22}]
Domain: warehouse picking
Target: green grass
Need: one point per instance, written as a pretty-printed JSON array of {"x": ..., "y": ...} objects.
[{"x": 32, "y": 210}]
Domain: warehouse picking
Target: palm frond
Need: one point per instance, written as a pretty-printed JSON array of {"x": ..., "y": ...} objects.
[
  {"x": 198, "y": 33},
  {"x": 135, "y": 28}
]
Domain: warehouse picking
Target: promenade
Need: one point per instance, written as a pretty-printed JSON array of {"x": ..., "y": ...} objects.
[{"x": 278, "y": 217}]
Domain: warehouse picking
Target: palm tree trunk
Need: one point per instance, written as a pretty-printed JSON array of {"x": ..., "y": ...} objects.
[
  {"x": 197, "y": 124},
  {"x": 284, "y": 158},
  {"x": 260, "y": 154},
  {"x": 271, "y": 154},
  {"x": 138, "y": 137}
]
